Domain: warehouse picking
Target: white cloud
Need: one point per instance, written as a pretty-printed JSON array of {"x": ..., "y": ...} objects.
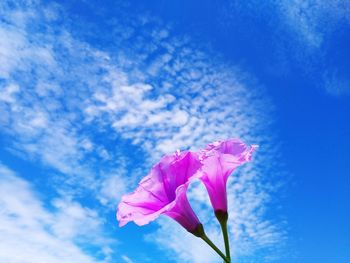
[
  {"x": 8, "y": 92},
  {"x": 126, "y": 259},
  {"x": 307, "y": 34},
  {"x": 112, "y": 188},
  {"x": 41, "y": 114},
  {"x": 17, "y": 53},
  {"x": 29, "y": 232},
  {"x": 249, "y": 227},
  {"x": 316, "y": 24},
  {"x": 337, "y": 83},
  {"x": 189, "y": 109},
  {"x": 74, "y": 220},
  {"x": 312, "y": 20}
]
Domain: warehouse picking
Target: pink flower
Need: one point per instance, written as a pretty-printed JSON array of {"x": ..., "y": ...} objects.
[
  {"x": 219, "y": 160},
  {"x": 163, "y": 191}
]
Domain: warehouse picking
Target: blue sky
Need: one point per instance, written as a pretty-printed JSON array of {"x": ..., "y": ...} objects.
[{"x": 92, "y": 93}]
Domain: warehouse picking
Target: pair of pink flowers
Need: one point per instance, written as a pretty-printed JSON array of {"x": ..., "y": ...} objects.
[{"x": 163, "y": 190}]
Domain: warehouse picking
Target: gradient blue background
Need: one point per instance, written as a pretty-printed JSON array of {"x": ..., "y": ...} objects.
[{"x": 297, "y": 53}]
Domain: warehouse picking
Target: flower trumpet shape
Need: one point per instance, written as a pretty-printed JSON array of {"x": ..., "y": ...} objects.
[
  {"x": 219, "y": 160},
  {"x": 163, "y": 191}
]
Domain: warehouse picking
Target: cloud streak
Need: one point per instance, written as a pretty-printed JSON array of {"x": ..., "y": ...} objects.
[
  {"x": 313, "y": 20},
  {"x": 39, "y": 234},
  {"x": 317, "y": 27}
]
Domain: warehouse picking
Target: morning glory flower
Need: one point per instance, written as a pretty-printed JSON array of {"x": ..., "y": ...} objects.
[
  {"x": 219, "y": 160},
  {"x": 163, "y": 191}
]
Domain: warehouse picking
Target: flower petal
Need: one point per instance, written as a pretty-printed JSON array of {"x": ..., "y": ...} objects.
[
  {"x": 163, "y": 191},
  {"x": 219, "y": 160}
]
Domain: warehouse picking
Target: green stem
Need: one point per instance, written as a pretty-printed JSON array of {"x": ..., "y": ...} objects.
[
  {"x": 211, "y": 244},
  {"x": 226, "y": 240},
  {"x": 199, "y": 232},
  {"x": 222, "y": 218}
]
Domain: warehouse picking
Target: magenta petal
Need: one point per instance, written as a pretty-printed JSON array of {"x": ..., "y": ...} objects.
[
  {"x": 182, "y": 211},
  {"x": 219, "y": 160},
  {"x": 163, "y": 191},
  {"x": 232, "y": 146}
]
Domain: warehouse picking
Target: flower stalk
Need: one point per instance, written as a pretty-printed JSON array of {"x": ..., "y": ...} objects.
[
  {"x": 199, "y": 232},
  {"x": 222, "y": 217}
]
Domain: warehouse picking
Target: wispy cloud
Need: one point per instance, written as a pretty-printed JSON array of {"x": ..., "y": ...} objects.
[
  {"x": 126, "y": 259},
  {"x": 316, "y": 26},
  {"x": 312, "y": 20},
  {"x": 96, "y": 116},
  {"x": 337, "y": 83},
  {"x": 44, "y": 90},
  {"x": 308, "y": 35},
  {"x": 40, "y": 234}
]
